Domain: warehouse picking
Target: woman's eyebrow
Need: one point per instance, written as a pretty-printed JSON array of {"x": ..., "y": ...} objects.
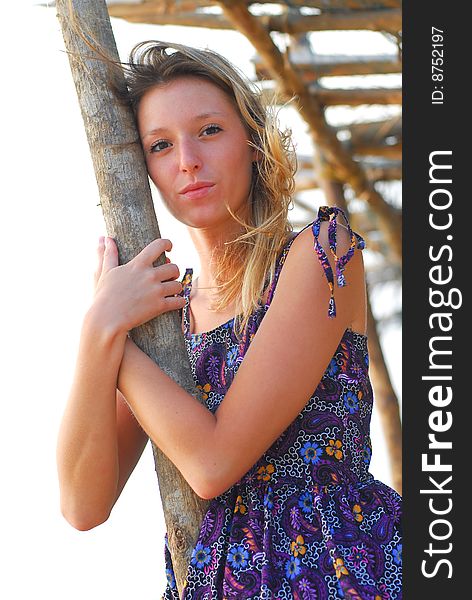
[{"x": 201, "y": 116}]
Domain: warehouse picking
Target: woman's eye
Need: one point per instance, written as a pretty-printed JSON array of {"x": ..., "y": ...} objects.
[
  {"x": 211, "y": 129},
  {"x": 159, "y": 146}
]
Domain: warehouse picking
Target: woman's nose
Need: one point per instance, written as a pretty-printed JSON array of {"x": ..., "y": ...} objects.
[{"x": 190, "y": 159}]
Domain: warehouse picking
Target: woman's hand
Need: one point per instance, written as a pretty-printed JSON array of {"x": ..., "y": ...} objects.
[{"x": 129, "y": 295}]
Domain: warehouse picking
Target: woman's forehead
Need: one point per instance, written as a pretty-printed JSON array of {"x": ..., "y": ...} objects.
[
  {"x": 189, "y": 98},
  {"x": 189, "y": 85}
]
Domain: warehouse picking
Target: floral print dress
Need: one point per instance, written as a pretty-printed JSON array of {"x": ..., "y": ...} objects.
[{"x": 307, "y": 521}]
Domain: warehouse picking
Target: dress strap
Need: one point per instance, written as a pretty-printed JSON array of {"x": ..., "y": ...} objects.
[
  {"x": 187, "y": 288},
  {"x": 330, "y": 214},
  {"x": 280, "y": 262}
]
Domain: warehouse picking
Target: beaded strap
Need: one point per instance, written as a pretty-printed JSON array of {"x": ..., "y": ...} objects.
[
  {"x": 330, "y": 214},
  {"x": 186, "y": 285}
]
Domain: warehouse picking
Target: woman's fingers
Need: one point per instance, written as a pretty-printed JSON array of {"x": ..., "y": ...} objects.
[
  {"x": 152, "y": 251},
  {"x": 110, "y": 255},
  {"x": 171, "y": 288},
  {"x": 137, "y": 291},
  {"x": 148, "y": 255},
  {"x": 167, "y": 272},
  {"x": 173, "y": 303},
  {"x": 100, "y": 251}
]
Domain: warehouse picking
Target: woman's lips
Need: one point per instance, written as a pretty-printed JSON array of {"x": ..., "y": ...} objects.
[{"x": 200, "y": 192}]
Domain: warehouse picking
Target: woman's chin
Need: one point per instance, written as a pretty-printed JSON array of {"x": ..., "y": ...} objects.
[{"x": 206, "y": 219}]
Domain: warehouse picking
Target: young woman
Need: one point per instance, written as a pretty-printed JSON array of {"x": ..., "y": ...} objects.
[{"x": 278, "y": 351}]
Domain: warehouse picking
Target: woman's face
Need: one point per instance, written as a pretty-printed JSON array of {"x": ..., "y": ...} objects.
[{"x": 192, "y": 135}]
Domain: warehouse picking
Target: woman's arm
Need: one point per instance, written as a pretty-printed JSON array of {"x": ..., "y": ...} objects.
[
  {"x": 88, "y": 443},
  {"x": 100, "y": 440},
  {"x": 281, "y": 369}
]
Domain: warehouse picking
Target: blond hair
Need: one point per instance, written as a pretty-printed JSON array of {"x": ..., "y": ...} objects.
[{"x": 246, "y": 264}]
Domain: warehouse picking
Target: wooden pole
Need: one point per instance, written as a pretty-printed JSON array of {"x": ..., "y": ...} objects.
[
  {"x": 129, "y": 217},
  {"x": 386, "y": 400}
]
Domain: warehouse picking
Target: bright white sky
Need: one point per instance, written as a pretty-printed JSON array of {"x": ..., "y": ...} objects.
[{"x": 50, "y": 228}]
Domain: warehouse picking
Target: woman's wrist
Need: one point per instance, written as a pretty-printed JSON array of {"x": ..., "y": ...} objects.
[{"x": 106, "y": 327}]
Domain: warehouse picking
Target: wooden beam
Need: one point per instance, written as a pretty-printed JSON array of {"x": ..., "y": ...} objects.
[
  {"x": 375, "y": 20},
  {"x": 393, "y": 151},
  {"x": 338, "y": 66},
  {"x": 380, "y": 138},
  {"x": 193, "y": 5},
  {"x": 308, "y": 180},
  {"x": 344, "y": 97},
  {"x": 373, "y": 130},
  {"x": 128, "y": 210},
  {"x": 375, "y": 174},
  {"x": 334, "y": 5},
  {"x": 327, "y": 6},
  {"x": 357, "y": 96},
  {"x": 149, "y": 12},
  {"x": 305, "y": 163}
]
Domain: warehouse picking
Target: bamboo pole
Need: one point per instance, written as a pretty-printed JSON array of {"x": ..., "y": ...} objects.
[
  {"x": 308, "y": 180},
  {"x": 306, "y": 162},
  {"x": 129, "y": 217},
  {"x": 150, "y": 12},
  {"x": 334, "y": 5},
  {"x": 379, "y": 128},
  {"x": 386, "y": 400},
  {"x": 356, "y": 96},
  {"x": 342, "y": 96},
  {"x": 392, "y": 151},
  {"x": 374, "y": 20},
  {"x": 336, "y": 66}
]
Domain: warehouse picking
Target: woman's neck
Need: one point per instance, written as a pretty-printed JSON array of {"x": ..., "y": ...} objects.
[{"x": 209, "y": 244}]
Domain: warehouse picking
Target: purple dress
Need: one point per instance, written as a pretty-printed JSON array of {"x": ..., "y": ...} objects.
[{"x": 307, "y": 521}]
